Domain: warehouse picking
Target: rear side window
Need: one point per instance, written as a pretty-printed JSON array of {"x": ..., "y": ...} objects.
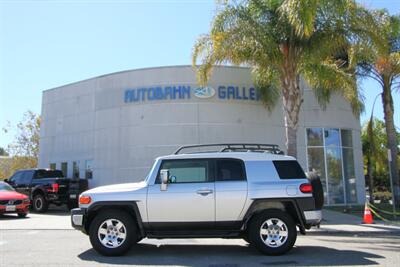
[
  {"x": 230, "y": 170},
  {"x": 289, "y": 169},
  {"x": 43, "y": 174}
]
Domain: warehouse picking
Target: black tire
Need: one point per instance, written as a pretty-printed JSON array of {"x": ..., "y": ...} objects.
[
  {"x": 39, "y": 203},
  {"x": 131, "y": 232},
  {"x": 256, "y": 238},
  {"x": 22, "y": 215},
  {"x": 72, "y": 204},
  {"x": 318, "y": 191}
]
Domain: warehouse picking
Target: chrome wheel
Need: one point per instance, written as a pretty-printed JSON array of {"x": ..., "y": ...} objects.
[
  {"x": 112, "y": 233},
  {"x": 274, "y": 232}
]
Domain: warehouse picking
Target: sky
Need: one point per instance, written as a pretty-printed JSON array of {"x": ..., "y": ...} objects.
[{"x": 45, "y": 44}]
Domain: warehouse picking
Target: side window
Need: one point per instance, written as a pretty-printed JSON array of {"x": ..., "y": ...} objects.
[
  {"x": 230, "y": 170},
  {"x": 289, "y": 169},
  {"x": 26, "y": 177},
  {"x": 186, "y": 171},
  {"x": 16, "y": 178}
]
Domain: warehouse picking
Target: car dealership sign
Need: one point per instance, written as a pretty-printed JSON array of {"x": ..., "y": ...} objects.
[{"x": 223, "y": 92}]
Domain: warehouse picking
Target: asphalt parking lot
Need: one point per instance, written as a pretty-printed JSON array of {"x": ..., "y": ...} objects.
[{"x": 48, "y": 240}]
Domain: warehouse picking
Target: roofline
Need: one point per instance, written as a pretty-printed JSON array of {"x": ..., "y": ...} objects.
[{"x": 140, "y": 69}]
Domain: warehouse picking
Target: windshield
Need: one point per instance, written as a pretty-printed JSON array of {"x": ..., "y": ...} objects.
[{"x": 5, "y": 187}]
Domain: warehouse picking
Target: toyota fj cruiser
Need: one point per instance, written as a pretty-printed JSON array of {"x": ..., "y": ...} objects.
[{"x": 248, "y": 191}]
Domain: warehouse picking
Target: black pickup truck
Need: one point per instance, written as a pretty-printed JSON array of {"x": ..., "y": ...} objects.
[{"x": 46, "y": 187}]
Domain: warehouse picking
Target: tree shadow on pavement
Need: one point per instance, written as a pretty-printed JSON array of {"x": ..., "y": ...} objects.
[{"x": 231, "y": 255}]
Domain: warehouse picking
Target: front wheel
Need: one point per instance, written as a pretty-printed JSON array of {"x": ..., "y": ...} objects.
[
  {"x": 273, "y": 232},
  {"x": 112, "y": 233},
  {"x": 40, "y": 204}
]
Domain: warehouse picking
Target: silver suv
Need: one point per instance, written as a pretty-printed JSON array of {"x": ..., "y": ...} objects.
[{"x": 248, "y": 191}]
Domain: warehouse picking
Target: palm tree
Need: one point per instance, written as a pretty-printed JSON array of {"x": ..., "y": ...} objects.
[
  {"x": 380, "y": 60},
  {"x": 282, "y": 41}
]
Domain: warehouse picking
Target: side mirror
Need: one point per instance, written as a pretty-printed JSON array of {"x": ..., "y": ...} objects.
[{"x": 164, "y": 175}]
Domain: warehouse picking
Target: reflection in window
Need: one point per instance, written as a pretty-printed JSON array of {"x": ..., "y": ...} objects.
[
  {"x": 331, "y": 155},
  {"x": 314, "y": 137},
  {"x": 75, "y": 169},
  {"x": 64, "y": 168},
  {"x": 89, "y": 169},
  {"x": 52, "y": 166}
]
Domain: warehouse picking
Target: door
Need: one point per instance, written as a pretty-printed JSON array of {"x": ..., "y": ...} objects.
[
  {"x": 230, "y": 190},
  {"x": 21, "y": 181},
  {"x": 188, "y": 201}
]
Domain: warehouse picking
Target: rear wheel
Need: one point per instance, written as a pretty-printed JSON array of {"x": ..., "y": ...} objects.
[
  {"x": 39, "y": 203},
  {"x": 272, "y": 232},
  {"x": 318, "y": 191},
  {"x": 112, "y": 233}
]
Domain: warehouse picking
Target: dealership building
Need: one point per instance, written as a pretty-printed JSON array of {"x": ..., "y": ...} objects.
[{"x": 110, "y": 128}]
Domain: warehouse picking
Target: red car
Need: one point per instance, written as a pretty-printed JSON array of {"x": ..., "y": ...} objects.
[{"x": 12, "y": 201}]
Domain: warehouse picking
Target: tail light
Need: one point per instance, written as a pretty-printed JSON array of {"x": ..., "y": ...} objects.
[
  {"x": 84, "y": 200},
  {"x": 306, "y": 188},
  {"x": 54, "y": 188}
]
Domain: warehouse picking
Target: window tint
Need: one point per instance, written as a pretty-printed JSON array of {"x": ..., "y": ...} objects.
[
  {"x": 230, "y": 170},
  {"x": 42, "y": 174},
  {"x": 26, "y": 177},
  {"x": 289, "y": 169},
  {"x": 186, "y": 171},
  {"x": 16, "y": 178}
]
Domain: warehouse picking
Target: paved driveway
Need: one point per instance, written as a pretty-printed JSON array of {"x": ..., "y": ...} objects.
[{"x": 48, "y": 240}]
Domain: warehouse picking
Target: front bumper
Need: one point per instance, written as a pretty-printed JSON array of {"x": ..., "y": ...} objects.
[
  {"x": 78, "y": 219},
  {"x": 313, "y": 217}
]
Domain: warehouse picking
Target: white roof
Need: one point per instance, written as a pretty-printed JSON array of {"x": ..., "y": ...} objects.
[{"x": 245, "y": 156}]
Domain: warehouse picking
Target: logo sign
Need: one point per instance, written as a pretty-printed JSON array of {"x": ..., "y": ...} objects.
[
  {"x": 11, "y": 202},
  {"x": 204, "y": 92}
]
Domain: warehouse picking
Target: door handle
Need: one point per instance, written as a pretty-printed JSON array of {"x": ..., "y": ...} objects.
[{"x": 204, "y": 192}]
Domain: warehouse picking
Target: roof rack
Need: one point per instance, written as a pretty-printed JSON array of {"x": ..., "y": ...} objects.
[{"x": 235, "y": 147}]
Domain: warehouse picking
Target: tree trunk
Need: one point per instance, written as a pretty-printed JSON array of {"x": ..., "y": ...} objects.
[
  {"x": 388, "y": 110},
  {"x": 291, "y": 99},
  {"x": 370, "y": 179}
]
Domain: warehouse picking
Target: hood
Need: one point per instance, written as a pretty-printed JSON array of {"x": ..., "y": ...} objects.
[
  {"x": 6, "y": 195},
  {"x": 116, "y": 188}
]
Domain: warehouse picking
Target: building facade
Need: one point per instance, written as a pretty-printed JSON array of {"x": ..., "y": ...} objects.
[{"x": 110, "y": 128}]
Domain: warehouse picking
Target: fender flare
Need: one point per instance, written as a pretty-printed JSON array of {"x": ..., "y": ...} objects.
[{"x": 130, "y": 205}]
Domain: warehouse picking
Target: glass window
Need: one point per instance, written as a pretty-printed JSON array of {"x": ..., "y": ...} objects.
[
  {"x": 332, "y": 137},
  {"x": 333, "y": 162},
  {"x": 89, "y": 169},
  {"x": 64, "y": 168},
  {"x": 186, "y": 171},
  {"x": 289, "y": 169},
  {"x": 349, "y": 175},
  {"x": 230, "y": 170},
  {"x": 44, "y": 174},
  {"x": 347, "y": 140},
  {"x": 316, "y": 163},
  {"x": 334, "y": 172},
  {"x": 26, "y": 177},
  {"x": 314, "y": 137},
  {"x": 75, "y": 169},
  {"x": 52, "y": 166},
  {"x": 16, "y": 178}
]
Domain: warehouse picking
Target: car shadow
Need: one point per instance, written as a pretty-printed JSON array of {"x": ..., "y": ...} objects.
[
  {"x": 12, "y": 216},
  {"x": 231, "y": 255}
]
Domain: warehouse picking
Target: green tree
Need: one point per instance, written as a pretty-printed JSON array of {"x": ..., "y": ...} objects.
[
  {"x": 24, "y": 151},
  {"x": 282, "y": 41},
  {"x": 380, "y": 60},
  {"x": 3, "y": 152},
  {"x": 375, "y": 155}
]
